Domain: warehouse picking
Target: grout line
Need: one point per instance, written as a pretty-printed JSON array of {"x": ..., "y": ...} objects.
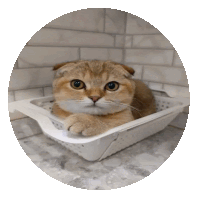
[
  {"x": 104, "y": 21},
  {"x": 166, "y": 83},
  {"x": 173, "y": 58},
  {"x": 113, "y": 35},
  {"x": 76, "y": 30},
  {"x": 14, "y": 95},
  {"x": 68, "y": 46},
  {"x": 43, "y": 91},
  {"x": 142, "y": 77},
  {"x": 123, "y": 55},
  {"x": 29, "y": 88},
  {"x": 125, "y": 22},
  {"x": 155, "y": 82},
  {"x": 128, "y": 63},
  {"x": 100, "y": 31},
  {"x": 35, "y": 67},
  {"x": 124, "y": 40},
  {"x": 142, "y": 48},
  {"x": 171, "y": 84},
  {"x": 30, "y": 136},
  {"x": 131, "y": 41},
  {"x": 153, "y": 65},
  {"x": 79, "y": 53}
]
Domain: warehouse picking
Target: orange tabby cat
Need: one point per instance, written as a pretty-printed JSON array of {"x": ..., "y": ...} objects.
[{"x": 95, "y": 96}]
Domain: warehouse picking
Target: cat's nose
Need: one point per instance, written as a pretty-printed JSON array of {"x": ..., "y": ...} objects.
[{"x": 95, "y": 98}]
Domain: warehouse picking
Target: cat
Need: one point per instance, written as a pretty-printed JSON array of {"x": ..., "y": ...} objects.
[{"x": 95, "y": 96}]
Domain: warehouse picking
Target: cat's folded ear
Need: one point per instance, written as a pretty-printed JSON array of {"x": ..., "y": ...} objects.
[
  {"x": 129, "y": 69},
  {"x": 59, "y": 71},
  {"x": 63, "y": 67},
  {"x": 59, "y": 66}
]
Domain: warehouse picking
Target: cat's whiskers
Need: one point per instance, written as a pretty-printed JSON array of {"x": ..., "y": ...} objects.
[
  {"x": 101, "y": 105},
  {"x": 119, "y": 103}
]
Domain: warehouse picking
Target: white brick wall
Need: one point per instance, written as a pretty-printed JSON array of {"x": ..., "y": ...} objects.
[
  {"x": 115, "y": 21},
  {"x": 138, "y": 71},
  {"x": 11, "y": 97},
  {"x": 155, "y": 86},
  {"x": 35, "y": 56},
  {"x": 54, "y": 37},
  {"x": 177, "y": 90},
  {"x": 165, "y": 75},
  {"x": 149, "y": 56},
  {"x": 102, "y": 34},
  {"x": 119, "y": 41},
  {"x": 48, "y": 91},
  {"x": 151, "y": 41},
  {"x": 177, "y": 60},
  {"x": 91, "y": 19},
  {"x": 31, "y": 78},
  {"x": 101, "y": 54},
  {"x": 27, "y": 94},
  {"x": 136, "y": 25},
  {"x": 128, "y": 41},
  {"x": 15, "y": 65}
]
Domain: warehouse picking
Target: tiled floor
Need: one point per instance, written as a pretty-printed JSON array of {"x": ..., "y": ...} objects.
[{"x": 124, "y": 168}]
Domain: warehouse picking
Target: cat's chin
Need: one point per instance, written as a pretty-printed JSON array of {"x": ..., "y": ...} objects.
[
  {"x": 97, "y": 110},
  {"x": 90, "y": 109},
  {"x": 94, "y": 110}
]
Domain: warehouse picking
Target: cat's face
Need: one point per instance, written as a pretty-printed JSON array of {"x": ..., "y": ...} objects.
[{"x": 93, "y": 87}]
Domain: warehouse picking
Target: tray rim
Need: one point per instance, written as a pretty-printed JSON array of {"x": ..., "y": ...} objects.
[{"x": 44, "y": 114}]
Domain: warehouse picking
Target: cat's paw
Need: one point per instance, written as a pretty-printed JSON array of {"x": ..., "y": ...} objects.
[{"x": 82, "y": 124}]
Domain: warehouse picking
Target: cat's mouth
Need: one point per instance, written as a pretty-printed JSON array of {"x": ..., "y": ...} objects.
[{"x": 93, "y": 106}]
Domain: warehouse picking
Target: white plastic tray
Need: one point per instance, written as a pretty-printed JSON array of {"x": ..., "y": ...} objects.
[{"x": 103, "y": 145}]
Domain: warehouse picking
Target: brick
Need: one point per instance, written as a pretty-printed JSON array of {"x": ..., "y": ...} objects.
[
  {"x": 151, "y": 41},
  {"x": 147, "y": 56},
  {"x": 48, "y": 91},
  {"x": 119, "y": 41},
  {"x": 55, "y": 37},
  {"x": 115, "y": 21},
  {"x": 155, "y": 86},
  {"x": 177, "y": 90},
  {"x": 165, "y": 75},
  {"x": 11, "y": 97},
  {"x": 101, "y": 54},
  {"x": 91, "y": 19},
  {"x": 28, "y": 94},
  {"x": 136, "y": 25},
  {"x": 138, "y": 71},
  {"x": 31, "y": 78},
  {"x": 46, "y": 56},
  {"x": 128, "y": 41},
  {"x": 177, "y": 60}
]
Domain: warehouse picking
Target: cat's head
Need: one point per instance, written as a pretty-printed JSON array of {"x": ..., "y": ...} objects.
[{"x": 93, "y": 87}]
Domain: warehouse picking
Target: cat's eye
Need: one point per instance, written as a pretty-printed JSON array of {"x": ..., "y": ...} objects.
[
  {"x": 77, "y": 84},
  {"x": 112, "y": 86}
]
